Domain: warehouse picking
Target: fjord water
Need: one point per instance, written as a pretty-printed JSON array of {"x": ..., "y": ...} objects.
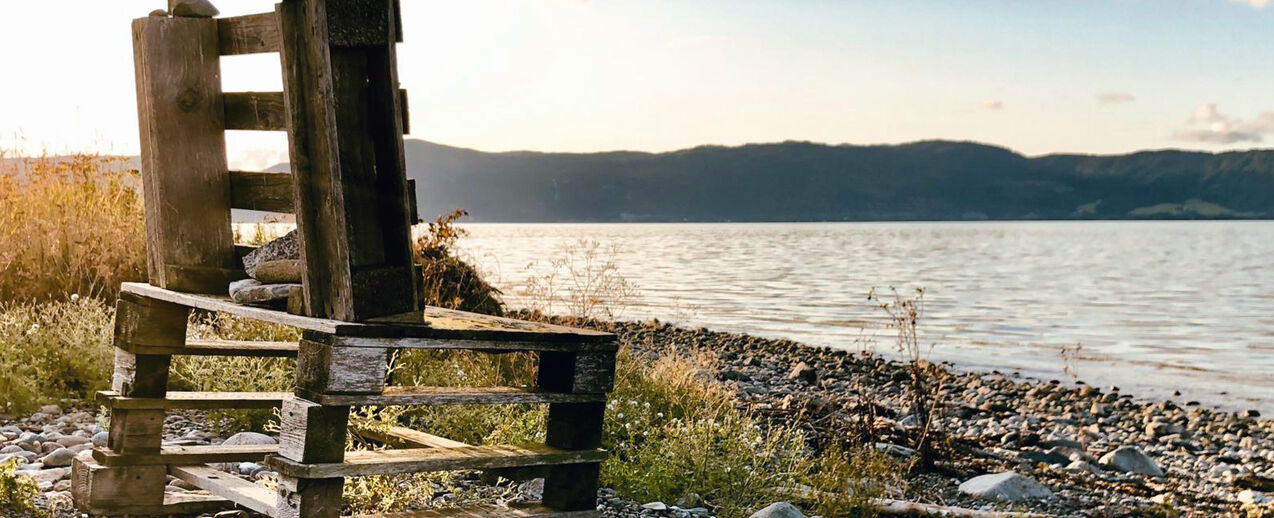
[{"x": 1158, "y": 306}]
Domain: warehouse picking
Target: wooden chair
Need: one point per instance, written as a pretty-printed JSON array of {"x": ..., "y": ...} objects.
[{"x": 344, "y": 115}]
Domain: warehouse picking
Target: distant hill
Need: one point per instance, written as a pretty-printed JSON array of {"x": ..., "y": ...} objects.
[{"x": 800, "y": 181}]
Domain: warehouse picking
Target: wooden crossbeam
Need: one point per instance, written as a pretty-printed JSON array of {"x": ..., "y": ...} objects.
[
  {"x": 241, "y": 348},
  {"x": 433, "y": 328},
  {"x": 250, "y": 34},
  {"x": 513, "y": 511},
  {"x": 395, "y": 396},
  {"x": 389, "y": 462},
  {"x": 261, "y": 191},
  {"x": 403, "y": 437},
  {"x": 266, "y": 111},
  {"x": 259, "y": 111},
  {"x": 183, "y": 455},
  {"x": 196, "y": 400},
  {"x": 225, "y": 485}
]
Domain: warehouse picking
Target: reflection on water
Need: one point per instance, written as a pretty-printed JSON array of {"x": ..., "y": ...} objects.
[{"x": 1158, "y": 306}]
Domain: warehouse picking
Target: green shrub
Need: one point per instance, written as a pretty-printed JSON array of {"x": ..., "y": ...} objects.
[
  {"x": 446, "y": 280},
  {"x": 17, "y": 494},
  {"x": 54, "y": 351}
]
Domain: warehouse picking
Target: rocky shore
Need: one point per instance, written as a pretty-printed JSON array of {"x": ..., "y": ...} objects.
[
  {"x": 1076, "y": 450},
  {"x": 1002, "y": 443}
]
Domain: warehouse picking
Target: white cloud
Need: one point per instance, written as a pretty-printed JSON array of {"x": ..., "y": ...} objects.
[
  {"x": 993, "y": 104},
  {"x": 1259, "y": 4},
  {"x": 1115, "y": 98},
  {"x": 1210, "y": 125}
]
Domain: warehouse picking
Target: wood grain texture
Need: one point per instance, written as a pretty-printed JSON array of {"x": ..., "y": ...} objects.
[
  {"x": 584, "y": 372},
  {"x": 222, "y": 348},
  {"x": 436, "y": 327},
  {"x": 196, "y": 400},
  {"x": 98, "y": 490},
  {"x": 186, "y": 455},
  {"x": 456, "y": 396},
  {"x": 403, "y": 437},
  {"x": 249, "y": 34},
  {"x": 94, "y": 486},
  {"x": 311, "y": 433},
  {"x": 271, "y": 192},
  {"x": 255, "y": 111},
  {"x": 136, "y": 431},
  {"x": 230, "y": 487},
  {"x": 309, "y": 498},
  {"x": 223, "y": 303},
  {"x": 388, "y": 462},
  {"x": 348, "y": 163},
  {"x": 148, "y": 321},
  {"x": 183, "y": 155},
  {"x": 512, "y": 511},
  {"x": 324, "y": 369}
]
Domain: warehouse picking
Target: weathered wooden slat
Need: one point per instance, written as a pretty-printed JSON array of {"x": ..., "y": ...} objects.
[
  {"x": 492, "y": 345},
  {"x": 312, "y": 433},
  {"x": 347, "y": 155},
  {"x": 222, "y": 348},
  {"x": 94, "y": 486},
  {"x": 250, "y": 34},
  {"x": 389, "y": 462},
  {"x": 456, "y": 396},
  {"x": 266, "y": 111},
  {"x": 580, "y": 372},
  {"x": 185, "y": 455},
  {"x": 513, "y": 511},
  {"x": 196, "y": 400},
  {"x": 225, "y": 485},
  {"x": 183, "y": 154},
  {"x": 460, "y": 325},
  {"x": 403, "y": 437},
  {"x": 270, "y": 192},
  {"x": 324, "y": 369},
  {"x": 224, "y": 304},
  {"x": 439, "y": 328},
  {"x": 258, "y": 111}
]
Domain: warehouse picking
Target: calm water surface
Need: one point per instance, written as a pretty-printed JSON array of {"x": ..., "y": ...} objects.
[{"x": 1158, "y": 306}]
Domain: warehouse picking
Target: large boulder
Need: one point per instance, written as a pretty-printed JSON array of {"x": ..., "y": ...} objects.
[
  {"x": 1005, "y": 487},
  {"x": 779, "y": 510},
  {"x": 1130, "y": 459}
]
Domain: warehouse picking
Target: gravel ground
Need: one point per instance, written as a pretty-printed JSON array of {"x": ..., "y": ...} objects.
[{"x": 1136, "y": 458}]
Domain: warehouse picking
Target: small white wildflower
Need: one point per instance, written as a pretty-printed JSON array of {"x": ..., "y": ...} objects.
[
  {"x": 659, "y": 415},
  {"x": 75, "y": 296},
  {"x": 619, "y": 415},
  {"x": 632, "y": 403},
  {"x": 646, "y": 404},
  {"x": 35, "y": 327}
]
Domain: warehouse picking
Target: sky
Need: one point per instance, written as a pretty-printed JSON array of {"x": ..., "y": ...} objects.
[{"x": 1036, "y": 76}]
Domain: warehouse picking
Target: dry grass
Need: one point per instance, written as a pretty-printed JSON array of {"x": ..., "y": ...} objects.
[
  {"x": 447, "y": 281},
  {"x": 69, "y": 225}
]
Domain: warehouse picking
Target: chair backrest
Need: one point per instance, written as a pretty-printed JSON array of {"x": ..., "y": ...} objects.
[{"x": 345, "y": 117}]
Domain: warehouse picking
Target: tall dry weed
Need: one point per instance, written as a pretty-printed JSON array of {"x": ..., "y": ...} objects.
[{"x": 69, "y": 225}]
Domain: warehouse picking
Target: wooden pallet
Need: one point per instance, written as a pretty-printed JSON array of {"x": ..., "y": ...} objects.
[
  {"x": 335, "y": 372},
  {"x": 345, "y": 116}
]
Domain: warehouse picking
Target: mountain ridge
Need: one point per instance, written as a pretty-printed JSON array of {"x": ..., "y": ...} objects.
[{"x": 806, "y": 181}]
